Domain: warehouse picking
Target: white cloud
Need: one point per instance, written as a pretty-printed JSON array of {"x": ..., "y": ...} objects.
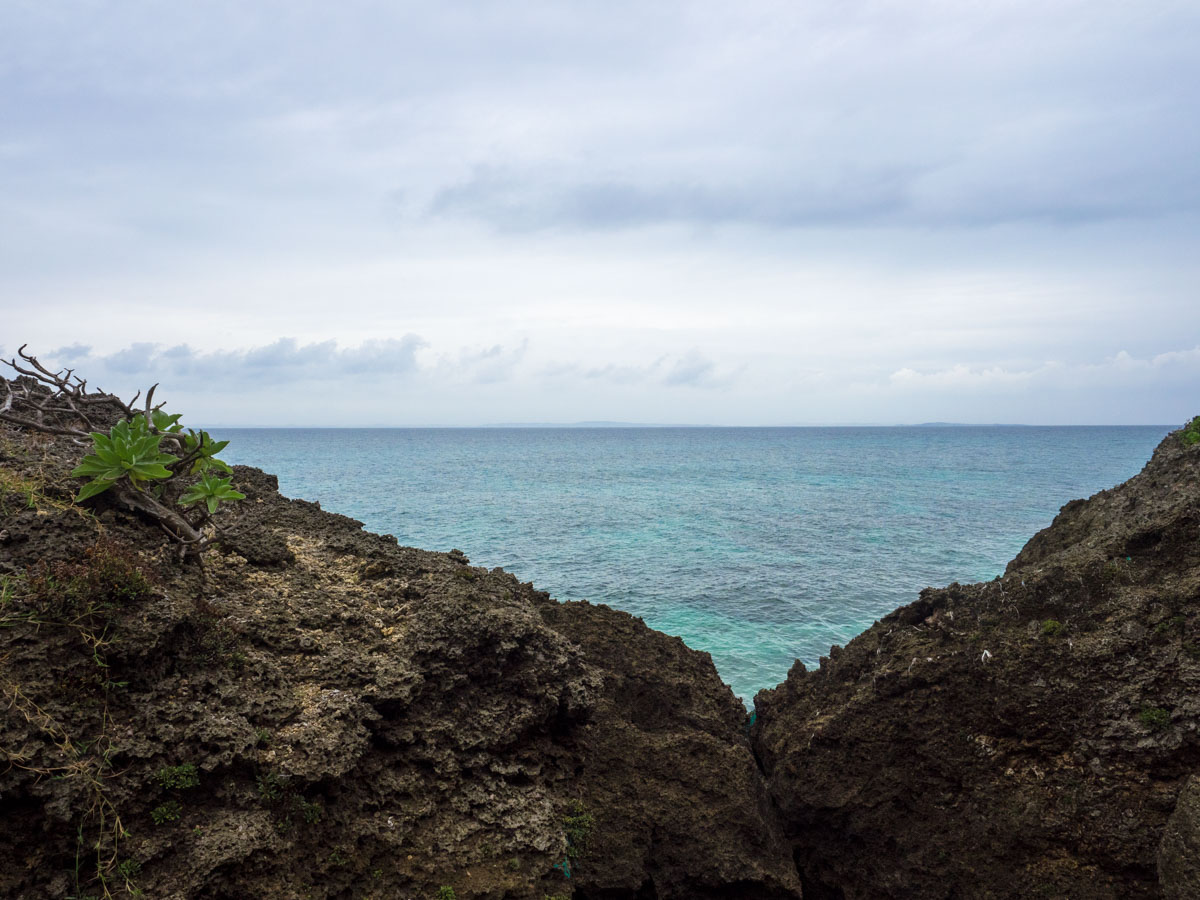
[
  {"x": 409, "y": 382},
  {"x": 1121, "y": 370}
]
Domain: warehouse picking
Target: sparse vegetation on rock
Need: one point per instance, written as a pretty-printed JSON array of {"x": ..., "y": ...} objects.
[
  {"x": 139, "y": 460},
  {"x": 1191, "y": 433}
]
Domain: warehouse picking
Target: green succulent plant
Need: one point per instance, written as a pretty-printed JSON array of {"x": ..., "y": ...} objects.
[
  {"x": 1191, "y": 433},
  {"x": 211, "y": 490},
  {"x": 130, "y": 450},
  {"x": 133, "y": 452},
  {"x": 205, "y": 450},
  {"x": 138, "y": 459},
  {"x": 166, "y": 423}
]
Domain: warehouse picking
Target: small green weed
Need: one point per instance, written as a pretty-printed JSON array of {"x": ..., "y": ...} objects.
[
  {"x": 445, "y": 892},
  {"x": 109, "y": 576},
  {"x": 178, "y": 778},
  {"x": 1175, "y": 623},
  {"x": 8, "y": 591},
  {"x": 28, "y": 493},
  {"x": 1155, "y": 717},
  {"x": 129, "y": 869},
  {"x": 514, "y": 865},
  {"x": 167, "y": 812},
  {"x": 270, "y": 786},
  {"x": 310, "y": 811},
  {"x": 262, "y": 737},
  {"x": 578, "y": 826},
  {"x": 1191, "y": 433},
  {"x": 1051, "y": 627},
  {"x": 141, "y": 456}
]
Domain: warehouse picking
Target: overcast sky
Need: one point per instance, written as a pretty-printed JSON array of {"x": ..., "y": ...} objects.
[{"x": 388, "y": 213}]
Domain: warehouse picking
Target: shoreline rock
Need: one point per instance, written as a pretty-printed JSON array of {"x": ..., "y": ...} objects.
[
  {"x": 362, "y": 720},
  {"x": 1023, "y": 737},
  {"x": 319, "y": 712}
]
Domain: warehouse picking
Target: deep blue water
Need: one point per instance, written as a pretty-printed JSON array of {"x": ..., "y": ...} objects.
[{"x": 759, "y": 545}]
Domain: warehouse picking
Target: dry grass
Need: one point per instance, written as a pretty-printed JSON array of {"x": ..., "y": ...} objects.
[{"x": 99, "y": 829}]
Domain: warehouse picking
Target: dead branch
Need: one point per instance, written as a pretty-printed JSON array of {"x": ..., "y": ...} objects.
[{"x": 55, "y": 399}]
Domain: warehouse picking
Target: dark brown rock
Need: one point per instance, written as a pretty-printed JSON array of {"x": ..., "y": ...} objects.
[
  {"x": 364, "y": 720},
  {"x": 680, "y": 806},
  {"x": 1022, "y": 738},
  {"x": 1179, "y": 852}
]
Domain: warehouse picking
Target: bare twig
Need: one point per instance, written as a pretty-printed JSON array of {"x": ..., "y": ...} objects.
[
  {"x": 149, "y": 400},
  {"x": 49, "y": 401}
]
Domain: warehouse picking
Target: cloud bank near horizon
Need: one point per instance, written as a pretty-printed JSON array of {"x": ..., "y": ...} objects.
[{"x": 408, "y": 382}]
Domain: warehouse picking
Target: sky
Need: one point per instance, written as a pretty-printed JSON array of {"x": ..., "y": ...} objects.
[{"x": 753, "y": 213}]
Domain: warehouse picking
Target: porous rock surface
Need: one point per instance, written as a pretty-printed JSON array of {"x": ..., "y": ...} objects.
[
  {"x": 1179, "y": 852},
  {"x": 364, "y": 719},
  {"x": 1025, "y": 737}
]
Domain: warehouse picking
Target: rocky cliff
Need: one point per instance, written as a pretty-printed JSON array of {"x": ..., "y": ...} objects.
[
  {"x": 318, "y": 712},
  {"x": 1027, "y": 737}
]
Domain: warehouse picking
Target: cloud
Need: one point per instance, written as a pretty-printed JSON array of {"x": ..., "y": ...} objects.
[
  {"x": 515, "y": 200},
  {"x": 488, "y": 365},
  {"x": 626, "y": 374},
  {"x": 71, "y": 352},
  {"x": 1121, "y": 370},
  {"x": 134, "y": 359},
  {"x": 691, "y": 369},
  {"x": 606, "y": 116},
  {"x": 283, "y": 361},
  {"x": 287, "y": 361},
  {"x": 695, "y": 369}
]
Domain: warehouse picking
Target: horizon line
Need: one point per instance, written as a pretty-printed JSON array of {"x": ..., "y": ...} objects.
[{"x": 601, "y": 425}]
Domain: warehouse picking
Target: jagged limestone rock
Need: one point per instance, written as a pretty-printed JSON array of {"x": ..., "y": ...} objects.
[{"x": 1179, "y": 852}]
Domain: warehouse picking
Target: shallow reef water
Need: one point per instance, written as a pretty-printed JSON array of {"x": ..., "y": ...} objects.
[{"x": 758, "y": 545}]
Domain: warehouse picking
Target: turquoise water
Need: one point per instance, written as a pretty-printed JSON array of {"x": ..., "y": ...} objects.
[{"x": 759, "y": 545}]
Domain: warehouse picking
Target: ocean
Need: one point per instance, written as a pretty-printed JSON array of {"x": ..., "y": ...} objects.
[{"x": 758, "y": 545}]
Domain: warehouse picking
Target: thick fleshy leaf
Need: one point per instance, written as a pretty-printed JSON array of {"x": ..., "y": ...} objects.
[
  {"x": 213, "y": 490},
  {"x": 208, "y": 464},
  {"x": 146, "y": 446},
  {"x": 166, "y": 422},
  {"x": 194, "y": 494},
  {"x": 148, "y": 470},
  {"x": 108, "y": 455},
  {"x": 96, "y": 467},
  {"x": 91, "y": 489}
]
